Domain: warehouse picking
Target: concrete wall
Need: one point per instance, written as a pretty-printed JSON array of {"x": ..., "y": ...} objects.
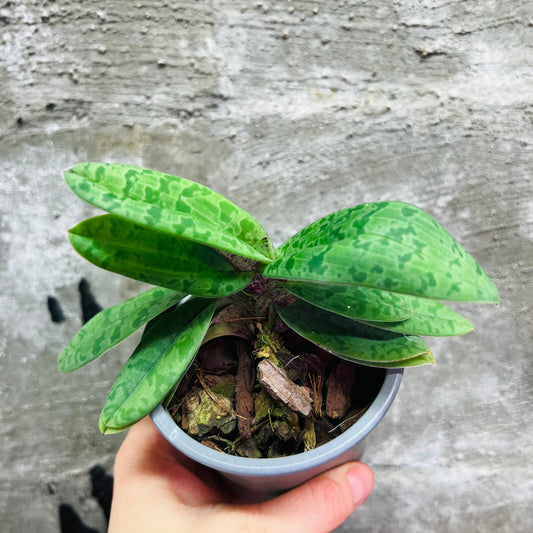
[{"x": 292, "y": 110}]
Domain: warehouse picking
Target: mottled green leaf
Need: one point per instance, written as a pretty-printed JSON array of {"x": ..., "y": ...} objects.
[
  {"x": 388, "y": 245},
  {"x": 353, "y": 302},
  {"x": 351, "y": 339},
  {"x": 168, "y": 398},
  {"x": 159, "y": 361},
  {"x": 172, "y": 205},
  {"x": 424, "y": 359},
  {"x": 429, "y": 318},
  {"x": 113, "y": 325},
  {"x": 156, "y": 258}
]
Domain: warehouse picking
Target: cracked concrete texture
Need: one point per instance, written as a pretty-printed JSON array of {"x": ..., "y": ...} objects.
[{"x": 292, "y": 110}]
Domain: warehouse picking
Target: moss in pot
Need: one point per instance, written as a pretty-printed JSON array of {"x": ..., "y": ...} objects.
[{"x": 363, "y": 284}]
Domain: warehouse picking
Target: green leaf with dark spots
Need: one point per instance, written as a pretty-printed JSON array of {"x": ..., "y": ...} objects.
[
  {"x": 153, "y": 257},
  {"x": 162, "y": 357},
  {"x": 172, "y": 205},
  {"x": 430, "y": 318},
  {"x": 113, "y": 325},
  {"x": 389, "y": 246},
  {"x": 353, "y": 302},
  {"x": 350, "y": 339}
]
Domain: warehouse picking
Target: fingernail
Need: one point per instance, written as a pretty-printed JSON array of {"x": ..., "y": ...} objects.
[{"x": 358, "y": 488}]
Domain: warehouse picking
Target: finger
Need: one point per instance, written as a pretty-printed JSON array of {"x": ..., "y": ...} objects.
[
  {"x": 147, "y": 457},
  {"x": 321, "y": 504}
]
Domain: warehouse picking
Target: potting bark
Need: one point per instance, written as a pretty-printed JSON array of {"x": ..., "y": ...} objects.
[{"x": 240, "y": 402}]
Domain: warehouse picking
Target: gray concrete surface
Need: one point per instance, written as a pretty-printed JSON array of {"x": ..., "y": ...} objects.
[{"x": 293, "y": 110}]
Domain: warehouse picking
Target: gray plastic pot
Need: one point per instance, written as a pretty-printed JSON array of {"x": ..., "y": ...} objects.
[{"x": 259, "y": 479}]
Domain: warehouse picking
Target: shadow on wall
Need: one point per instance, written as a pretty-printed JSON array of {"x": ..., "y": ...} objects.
[
  {"x": 101, "y": 490},
  {"x": 101, "y": 483},
  {"x": 89, "y": 306}
]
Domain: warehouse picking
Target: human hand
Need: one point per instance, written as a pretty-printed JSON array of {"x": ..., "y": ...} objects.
[{"x": 157, "y": 490}]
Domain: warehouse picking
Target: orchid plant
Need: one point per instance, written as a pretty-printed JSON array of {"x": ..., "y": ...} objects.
[{"x": 363, "y": 283}]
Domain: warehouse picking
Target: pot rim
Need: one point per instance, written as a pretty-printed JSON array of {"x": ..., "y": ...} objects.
[{"x": 282, "y": 465}]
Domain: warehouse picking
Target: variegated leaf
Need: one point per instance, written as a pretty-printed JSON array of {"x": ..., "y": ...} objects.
[
  {"x": 424, "y": 359},
  {"x": 113, "y": 325},
  {"x": 391, "y": 246},
  {"x": 353, "y": 302},
  {"x": 172, "y": 205},
  {"x": 429, "y": 318},
  {"x": 162, "y": 357},
  {"x": 146, "y": 255},
  {"x": 350, "y": 339}
]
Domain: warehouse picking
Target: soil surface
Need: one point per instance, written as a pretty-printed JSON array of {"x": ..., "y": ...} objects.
[{"x": 242, "y": 400}]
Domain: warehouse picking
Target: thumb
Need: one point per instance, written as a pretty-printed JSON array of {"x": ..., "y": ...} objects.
[{"x": 322, "y": 503}]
